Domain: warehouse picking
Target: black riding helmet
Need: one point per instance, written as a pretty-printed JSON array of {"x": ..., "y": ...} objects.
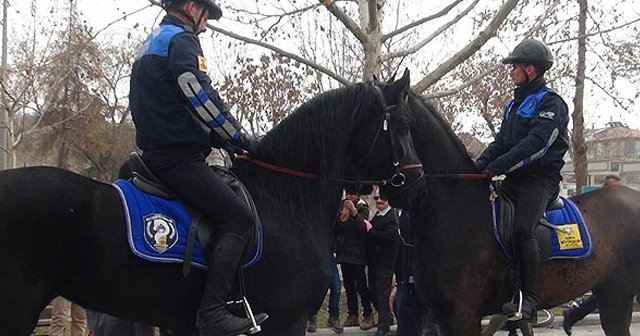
[
  {"x": 533, "y": 52},
  {"x": 215, "y": 12}
]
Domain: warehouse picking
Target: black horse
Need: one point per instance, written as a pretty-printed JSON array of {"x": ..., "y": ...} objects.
[
  {"x": 64, "y": 234},
  {"x": 461, "y": 271}
]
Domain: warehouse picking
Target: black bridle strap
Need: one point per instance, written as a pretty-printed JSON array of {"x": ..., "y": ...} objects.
[{"x": 384, "y": 124}]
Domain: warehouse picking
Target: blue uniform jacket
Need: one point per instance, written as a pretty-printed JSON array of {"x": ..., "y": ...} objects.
[
  {"x": 533, "y": 137},
  {"x": 172, "y": 102}
]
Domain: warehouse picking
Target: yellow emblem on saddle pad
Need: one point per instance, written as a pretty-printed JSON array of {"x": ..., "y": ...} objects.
[
  {"x": 569, "y": 241},
  {"x": 202, "y": 63}
]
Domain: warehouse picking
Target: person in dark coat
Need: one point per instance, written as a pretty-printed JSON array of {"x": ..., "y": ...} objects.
[
  {"x": 351, "y": 254},
  {"x": 383, "y": 240},
  {"x": 529, "y": 150},
  {"x": 179, "y": 116},
  {"x": 414, "y": 318}
]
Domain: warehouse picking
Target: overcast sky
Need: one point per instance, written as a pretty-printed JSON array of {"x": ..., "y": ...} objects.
[{"x": 99, "y": 14}]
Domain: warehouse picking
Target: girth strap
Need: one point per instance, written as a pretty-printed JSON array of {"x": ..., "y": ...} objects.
[{"x": 191, "y": 239}]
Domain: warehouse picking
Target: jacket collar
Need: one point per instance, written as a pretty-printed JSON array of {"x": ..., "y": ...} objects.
[
  {"x": 523, "y": 91},
  {"x": 173, "y": 20}
]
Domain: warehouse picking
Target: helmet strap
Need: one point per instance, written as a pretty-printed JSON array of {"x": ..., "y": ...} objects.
[
  {"x": 194, "y": 23},
  {"x": 195, "y": 29}
]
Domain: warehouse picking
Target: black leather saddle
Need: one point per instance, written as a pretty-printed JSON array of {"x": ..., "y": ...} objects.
[
  {"x": 505, "y": 222},
  {"x": 144, "y": 179}
]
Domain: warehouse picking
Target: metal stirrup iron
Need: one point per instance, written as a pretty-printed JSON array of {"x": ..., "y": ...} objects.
[
  {"x": 518, "y": 314},
  {"x": 247, "y": 308},
  {"x": 245, "y": 303}
]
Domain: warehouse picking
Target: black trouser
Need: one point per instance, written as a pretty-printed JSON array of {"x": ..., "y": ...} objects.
[
  {"x": 410, "y": 313},
  {"x": 193, "y": 182},
  {"x": 530, "y": 197},
  {"x": 355, "y": 282},
  {"x": 380, "y": 287}
]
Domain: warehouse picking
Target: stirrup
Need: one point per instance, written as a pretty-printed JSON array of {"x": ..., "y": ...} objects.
[
  {"x": 256, "y": 328},
  {"x": 508, "y": 309},
  {"x": 249, "y": 312}
]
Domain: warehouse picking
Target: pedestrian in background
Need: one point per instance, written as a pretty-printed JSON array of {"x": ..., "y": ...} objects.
[{"x": 64, "y": 312}]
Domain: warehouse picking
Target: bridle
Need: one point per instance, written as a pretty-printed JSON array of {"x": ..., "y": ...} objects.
[{"x": 398, "y": 179}]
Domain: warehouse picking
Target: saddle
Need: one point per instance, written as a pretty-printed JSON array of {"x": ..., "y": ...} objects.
[
  {"x": 505, "y": 216},
  {"x": 145, "y": 180}
]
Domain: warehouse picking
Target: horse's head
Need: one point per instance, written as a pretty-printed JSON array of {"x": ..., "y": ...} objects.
[{"x": 387, "y": 139}]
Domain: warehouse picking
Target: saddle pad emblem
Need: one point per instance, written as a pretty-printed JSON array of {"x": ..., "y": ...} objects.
[
  {"x": 160, "y": 232},
  {"x": 570, "y": 241}
]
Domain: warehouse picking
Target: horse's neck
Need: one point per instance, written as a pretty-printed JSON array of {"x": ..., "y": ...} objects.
[
  {"x": 454, "y": 204},
  {"x": 289, "y": 201}
]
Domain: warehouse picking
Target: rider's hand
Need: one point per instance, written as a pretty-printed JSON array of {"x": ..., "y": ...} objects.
[{"x": 248, "y": 143}]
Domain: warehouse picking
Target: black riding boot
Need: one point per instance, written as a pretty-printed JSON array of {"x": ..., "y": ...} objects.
[
  {"x": 213, "y": 318},
  {"x": 529, "y": 277}
]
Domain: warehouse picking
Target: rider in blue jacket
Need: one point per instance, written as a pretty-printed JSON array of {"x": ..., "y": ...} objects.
[
  {"x": 178, "y": 118},
  {"x": 529, "y": 150}
]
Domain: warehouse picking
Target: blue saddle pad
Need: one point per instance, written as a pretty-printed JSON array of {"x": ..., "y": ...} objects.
[
  {"x": 577, "y": 244},
  {"x": 157, "y": 228}
]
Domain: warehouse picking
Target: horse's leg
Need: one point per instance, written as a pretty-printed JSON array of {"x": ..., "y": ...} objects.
[
  {"x": 20, "y": 308},
  {"x": 466, "y": 321},
  {"x": 615, "y": 307}
]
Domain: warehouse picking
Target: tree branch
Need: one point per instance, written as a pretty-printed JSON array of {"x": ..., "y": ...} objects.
[
  {"x": 281, "y": 52},
  {"x": 463, "y": 86},
  {"x": 468, "y": 50},
  {"x": 599, "y": 32},
  {"x": 613, "y": 97},
  {"x": 421, "y": 21},
  {"x": 268, "y": 16},
  {"x": 433, "y": 35},
  {"x": 351, "y": 25}
]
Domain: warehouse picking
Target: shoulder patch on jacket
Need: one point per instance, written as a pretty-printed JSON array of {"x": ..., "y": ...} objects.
[
  {"x": 547, "y": 115},
  {"x": 202, "y": 63}
]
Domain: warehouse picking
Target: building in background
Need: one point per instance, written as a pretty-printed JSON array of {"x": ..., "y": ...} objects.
[{"x": 612, "y": 150}]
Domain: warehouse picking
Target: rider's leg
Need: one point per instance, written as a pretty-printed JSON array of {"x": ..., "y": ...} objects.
[
  {"x": 532, "y": 196},
  {"x": 199, "y": 187},
  {"x": 529, "y": 277}
]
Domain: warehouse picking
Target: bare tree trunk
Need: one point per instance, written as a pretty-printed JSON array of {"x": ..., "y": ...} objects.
[
  {"x": 370, "y": 22},
  {"x": 4, "y": 116},
  {"x": 577, "y": 135}
]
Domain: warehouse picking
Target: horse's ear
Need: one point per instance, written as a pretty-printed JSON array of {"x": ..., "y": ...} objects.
[
  {"x": 399, "y": 89},
  {"x": 393, "y": 77}
]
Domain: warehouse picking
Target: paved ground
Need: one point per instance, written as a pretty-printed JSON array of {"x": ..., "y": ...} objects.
[{"x": 590, "y": 326}]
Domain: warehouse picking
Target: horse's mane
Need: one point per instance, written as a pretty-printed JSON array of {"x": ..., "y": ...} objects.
[
  {"x": 431, "y": 110},
  {"x": 321, "y": 120}
]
